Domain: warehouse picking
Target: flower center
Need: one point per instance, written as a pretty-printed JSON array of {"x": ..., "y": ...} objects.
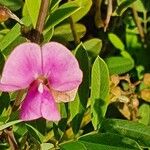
[{"x": 43, "y": 80}]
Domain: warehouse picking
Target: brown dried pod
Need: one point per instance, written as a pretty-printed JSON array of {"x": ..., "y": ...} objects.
[
  {"x": 4, "y": 15},
  {"x": 146, "y": 79}
]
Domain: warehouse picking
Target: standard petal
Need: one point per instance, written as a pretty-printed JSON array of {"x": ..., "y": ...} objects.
[
  {"x": 31, "y": 106},
  {"x": 6, "y": 88},
  {"x": 64, "y": 96},
  {"x": 48, "y": 107},
  {"x": 22, "y": 66},
  {"x": 60, "y": 67}
]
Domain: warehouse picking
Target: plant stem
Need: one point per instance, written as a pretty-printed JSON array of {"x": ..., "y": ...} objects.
[
  {"x": 138, "y": 23},
  {"x": 73, "y": 29},
  {"x": 11, "y": 139},
  {"x": 98, "y": 16},
  {"x": 41, "y": 19},
  {"x": 109, "y": 13}
]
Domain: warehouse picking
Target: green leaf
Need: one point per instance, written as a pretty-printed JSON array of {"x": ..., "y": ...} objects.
[
  {"x": 76, "y": 122},
  {"x": 46, "y": 146},
  {"x": 12, "y": 5},
  {"x": 72, "y": 146},
  {"x": 83, "y": 91},
  {"x": 123, "y": 6},
  {"x": 144, "y": 114},
  {"x": 66, "y": 32},
  {"x": 48, "y": 35},
  {"x": 85, "y": 7},
  {"x": 4, "y": 101},
  {"x": 103, "y": 141},
  {"x": 142, "y": 6},
  {"x": 137, "y": 131},
  {"x": 115, "y": 40},
  {"x": 54, "y": 4},
  {"x": 93, "y": 47},
  {"x": 6, "y": 125},
  {"x": 74, "y": 107},
  {"x": 11, "y": 36},
  {"x": 78, "y": 106},
  {"x": 107, "y": 141},
  {"x": 14, "y": 44},
  {"x": 99, "y": 91},
  {"x": 2, "y": 62},
  {"x": 60, "y": 14},
  {"x": 33, "y": 7},
  {"x": 34, "y": 132},
  {"x": 119, "y": 65}
]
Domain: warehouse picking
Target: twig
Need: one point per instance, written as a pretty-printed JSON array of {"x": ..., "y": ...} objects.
[
  {"x": 73, "y": 29},
  {"x": 11, "y": 139},
  {"x": 5, "y": 13},
  {"x": 138, "y": 23},
  {"x": 109, "y": 13},
  {"x": 41, "y": 19},
  {"x": 98, "y": 16}
]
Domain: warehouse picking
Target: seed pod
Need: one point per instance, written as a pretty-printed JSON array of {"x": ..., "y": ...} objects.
[{"x": 4, "y": 15}]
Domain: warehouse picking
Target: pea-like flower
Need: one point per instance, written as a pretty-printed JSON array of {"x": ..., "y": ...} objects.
[{"x": 50, "y": 72}]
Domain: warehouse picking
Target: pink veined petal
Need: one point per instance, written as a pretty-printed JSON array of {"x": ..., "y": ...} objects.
[
  {"x": 31, "y": 106},
  {"x": 60, "y": 67},
  {"x": 6, "y": 88},
  {"x": 64, "y": 96},
  {"x": 48, "y": 107},
  {"x": 22, "y": 66},
  {"x": 39, "y": 104}
]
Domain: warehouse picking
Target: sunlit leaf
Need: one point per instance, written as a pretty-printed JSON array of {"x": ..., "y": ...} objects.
[
  {"x": 137, "y": 131},
  {"x": 99, "y": 91},
  {"x": 6, "y": 125},
  {"x": 63, "y": 12},
  {"x": 66, "y": 32},
  {"x": 33, "y": 7},
  {"x": 119, "y": 65},
  {"x": 93, "y": 47}
]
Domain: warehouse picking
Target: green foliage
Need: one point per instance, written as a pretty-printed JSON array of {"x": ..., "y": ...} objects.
[
  {"x": 123, "y": 49},
  {"x": 61, "y": 13},
  {"x": 33, "y": 7},
  {"x": 65, "y": 31},
  {"x": 6, "y": 125},
  {"x": 99, "y": 91},
  {"x": 78, "y": 107},
  {"x": 12, "y": 5},
  {"x": 136, "y": 131},
  {"x": 93, "y": 47},
  {"x": 105, "y": 141},
  {"x": 119, "y": 65},
  {"x": 85, "y": 6},
  {"x": 83, "y": 60},
  {"x": 124, "y": 5},
  {"x": 144, "y": 113}
]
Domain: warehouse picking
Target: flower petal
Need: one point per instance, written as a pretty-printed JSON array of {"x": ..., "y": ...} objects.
[
  {"x": 31, "y": 106},
  {"x": 61, "y": 67},
  {"x": 64, "y": 96},
  {"x": 48, "y": 107},
  {"x": 6, "y": 88},
  {"x": 22, "y": 66},
  {"x": 39, "y": 104}
]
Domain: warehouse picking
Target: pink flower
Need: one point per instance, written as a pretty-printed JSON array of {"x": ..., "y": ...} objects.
[{"x": 51, "y": 73}]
